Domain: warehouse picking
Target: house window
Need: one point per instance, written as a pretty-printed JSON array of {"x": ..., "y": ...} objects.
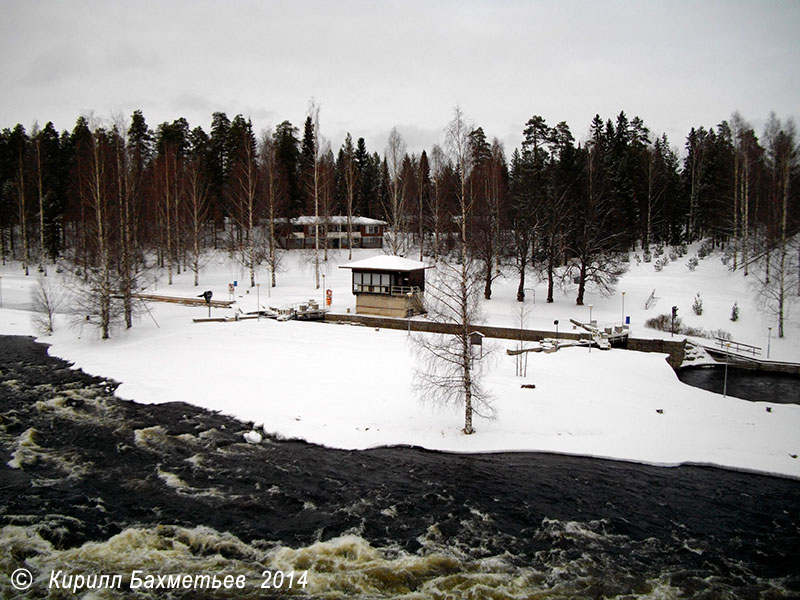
[
  {"x": 371, "y": 229},
  {"x": 372, "y": 283}
]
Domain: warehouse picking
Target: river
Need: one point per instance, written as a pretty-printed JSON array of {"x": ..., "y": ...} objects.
[
  {"x": 95, "y": 484},
  {"x": 747, "y": 384}
]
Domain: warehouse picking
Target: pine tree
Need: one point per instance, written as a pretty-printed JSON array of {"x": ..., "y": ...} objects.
[
  {"x": 219, "y": 169},
  {"x": 245, "y": 197},
  {"x": 287, "y": 158},
  {"x": 350, "y": 172}
]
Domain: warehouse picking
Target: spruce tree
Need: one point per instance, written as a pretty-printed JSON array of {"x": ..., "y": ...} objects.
[{"x": 287, "y": 156}]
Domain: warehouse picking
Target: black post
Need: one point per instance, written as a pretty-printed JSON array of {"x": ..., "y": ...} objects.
[
  {"x": 207, "y": 297},
  {"x": 674, "y": 316}
]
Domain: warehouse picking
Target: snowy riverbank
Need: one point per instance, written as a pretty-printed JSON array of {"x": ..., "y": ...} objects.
[{"x": 350, "y": 387}]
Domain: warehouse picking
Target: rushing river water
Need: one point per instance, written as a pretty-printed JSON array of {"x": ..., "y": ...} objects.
[
  {"x": 743, "y": 383},
  {"x": 94, "y": 484}
]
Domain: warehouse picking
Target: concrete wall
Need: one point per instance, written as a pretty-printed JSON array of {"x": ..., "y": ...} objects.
[
  {"x": 528, "y": 335},
  {"x": 675, "y": 349},
  {"x": 384, "y": 305}
]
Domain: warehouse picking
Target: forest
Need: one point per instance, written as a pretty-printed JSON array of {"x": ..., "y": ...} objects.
[{"x": 110, "y": 199}]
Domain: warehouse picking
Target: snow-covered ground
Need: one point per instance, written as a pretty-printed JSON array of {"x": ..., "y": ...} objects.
[{"x": 350, "y": 387}]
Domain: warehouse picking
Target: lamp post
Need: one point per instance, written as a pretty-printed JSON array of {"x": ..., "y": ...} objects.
[
  {"x": 258, "y": 301},
  {"x": 323, "y": 290},
  {"x": 556, "y": 324},
  {"x": 769, "y": 332},
  {"x": 591, "y": 329},
  {"x": 590, "y": 314},
  {"x": 623, "y": 309}
]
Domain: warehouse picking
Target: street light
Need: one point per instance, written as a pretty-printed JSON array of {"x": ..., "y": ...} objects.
[
  {"x": 258, "y": 301},
  {"x": 590, "y": 314},
  {"x": 556, "y": 324},
  {"x": 769, "y": 332},
  {"x": 623, "y": 309},
  {"x": 323, "y": 290}
]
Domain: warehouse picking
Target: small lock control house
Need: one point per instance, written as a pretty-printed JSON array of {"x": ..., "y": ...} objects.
[{"x": 389, "y": 286}]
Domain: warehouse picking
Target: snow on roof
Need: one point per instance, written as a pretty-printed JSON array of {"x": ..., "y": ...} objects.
[
  {"x": 336, "y": 220},
  {"x": 386, "y": 262}
]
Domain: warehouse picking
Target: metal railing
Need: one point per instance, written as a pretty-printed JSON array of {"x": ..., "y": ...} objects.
[
  {"x": 403, "y": 290},
  {"x": 738, "y": 347}
]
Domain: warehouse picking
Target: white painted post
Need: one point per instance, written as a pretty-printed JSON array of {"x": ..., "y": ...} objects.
[{"x": 408, "y": 311}]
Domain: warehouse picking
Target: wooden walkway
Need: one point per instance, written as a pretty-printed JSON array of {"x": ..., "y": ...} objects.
[{"x": 183, "y": 300}]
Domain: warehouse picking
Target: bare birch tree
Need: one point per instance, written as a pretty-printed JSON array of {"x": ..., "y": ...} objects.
[
  {"x": 779, "y": 271},
  {"x": 313, "y": 112},
  {"x": 394, "y": 208},
  {"x": 245, "y": 194},
  {"x": 95, "y": 300},
  {"x": 20, "y": 184},
  {"x": 197, "y": 210},
  {"x": 46, "y": 299},
  {"x": 450, "y": 373},
  {"x": 37, "y": 152},
  {"x": 350, "y": 168},
  {"x": 436, "y": 201},
  {"x": 275, "y": 194}
]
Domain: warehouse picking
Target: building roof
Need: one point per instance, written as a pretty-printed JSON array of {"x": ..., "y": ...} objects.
[
  {"x": 385, "y": 262},
  {"x": 336, "y": 220}
]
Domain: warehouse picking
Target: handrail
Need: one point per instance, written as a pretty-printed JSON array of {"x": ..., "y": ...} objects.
[
  {"x": 650, "y": 299},
  {"x": 738, "y": 346},
  {"x": 402, "y": 290}
]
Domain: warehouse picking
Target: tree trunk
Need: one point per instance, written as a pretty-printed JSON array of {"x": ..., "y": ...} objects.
[{"x": 581, "y": 282}]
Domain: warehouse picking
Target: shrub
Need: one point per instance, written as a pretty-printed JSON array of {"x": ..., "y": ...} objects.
[
  {"x": 692, "y": 264},
  {"x": 663, "y": 323},
  {"x": 692, "y": 331},
  {"x": 735, "y": 312},
  {"x": 697, "y": 305}
]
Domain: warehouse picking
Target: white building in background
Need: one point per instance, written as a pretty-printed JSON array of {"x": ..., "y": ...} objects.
[{"x": 300, "y": 232}]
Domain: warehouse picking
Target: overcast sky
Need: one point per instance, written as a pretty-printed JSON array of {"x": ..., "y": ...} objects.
[{"x": 372, "y": 65}]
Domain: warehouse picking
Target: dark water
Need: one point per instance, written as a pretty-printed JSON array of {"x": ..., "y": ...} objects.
[
  {"x": 90, "y": 483},
  {"x": 744, "y": 383}
]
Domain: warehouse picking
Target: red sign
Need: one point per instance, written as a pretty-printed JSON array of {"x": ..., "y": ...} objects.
[{"x": 329, "y": 296}]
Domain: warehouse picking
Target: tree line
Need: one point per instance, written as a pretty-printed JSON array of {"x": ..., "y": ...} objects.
[{"x": 111, "y": 198}]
